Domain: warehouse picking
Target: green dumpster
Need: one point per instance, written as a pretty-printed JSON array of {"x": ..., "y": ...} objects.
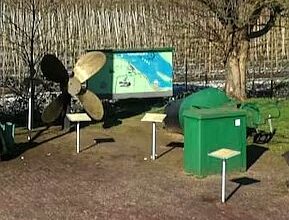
[
  {"x": 7, "y": 131},
  {"x": 207, "y": 130}
]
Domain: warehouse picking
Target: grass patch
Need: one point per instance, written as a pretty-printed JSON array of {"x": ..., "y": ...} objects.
[{"x": 280, "y": 142}]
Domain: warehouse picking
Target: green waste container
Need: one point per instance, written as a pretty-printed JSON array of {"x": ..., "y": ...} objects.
[
  {"x": 207, "y": 130},
  {"x": 7, "y": 131}
]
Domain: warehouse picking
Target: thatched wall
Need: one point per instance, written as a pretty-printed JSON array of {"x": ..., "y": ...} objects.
[{"x": 68, "y": 29}]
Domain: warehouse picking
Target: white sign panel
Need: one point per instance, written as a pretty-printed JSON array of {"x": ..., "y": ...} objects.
[{"x": 154, "y": 117}]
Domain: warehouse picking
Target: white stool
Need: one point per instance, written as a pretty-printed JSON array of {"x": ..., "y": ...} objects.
[
  {"x": 224, "y": 154},
  {"x": 78, "y": 117},
  {"x": 154, "y": 118}
]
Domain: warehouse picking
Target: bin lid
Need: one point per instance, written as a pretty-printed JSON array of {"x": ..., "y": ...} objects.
[
  {"x": 205, "y": 98},
  {"x": 213, "y": 113}
]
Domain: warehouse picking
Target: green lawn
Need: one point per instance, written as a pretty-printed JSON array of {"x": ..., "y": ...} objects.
[{"x": 280, "y": 142}]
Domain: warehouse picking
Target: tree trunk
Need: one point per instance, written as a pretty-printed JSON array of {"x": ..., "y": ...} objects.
[{"x": 236, "y": 70}]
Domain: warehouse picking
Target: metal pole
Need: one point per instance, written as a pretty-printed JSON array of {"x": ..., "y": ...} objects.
[
  {"x": 223, "y": 181},
  {"x": 270, "y": 123},
  {"x": 77, "y": 138},
  {"x": 186, "y": 63},
  {"x": 153, "y": 156},
  {"x": 30, "y": 112}
]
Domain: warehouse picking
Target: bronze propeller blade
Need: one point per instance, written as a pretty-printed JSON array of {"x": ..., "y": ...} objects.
[
  {"x": 54, "y": 109},
  {"x": 88, "y": 65},
  {"x": 53, "y": 69},
  {"x": 92, "y": 104}
]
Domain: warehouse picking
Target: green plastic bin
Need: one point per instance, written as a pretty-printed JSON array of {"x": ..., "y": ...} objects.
[
  {"x": 207, "y": 130},
  {"x": 7, "y": 131}
]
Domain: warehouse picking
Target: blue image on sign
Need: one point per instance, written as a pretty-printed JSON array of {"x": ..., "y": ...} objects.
[{"x": 152, "y": 65}]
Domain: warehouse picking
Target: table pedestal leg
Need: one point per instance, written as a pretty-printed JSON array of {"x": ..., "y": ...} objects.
[
  {"x": 223, "y": 181},
  {"x": 77, "y": 138},
  {"x": 153, "y": 153},
  {"x": 30, "y": 114}
]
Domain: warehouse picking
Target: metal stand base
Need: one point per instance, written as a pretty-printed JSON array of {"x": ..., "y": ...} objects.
[
  {"x": 78, "y": 117},
  {"x": 153, "y": 150},
  {"x": 77, "y": 137},
  {"x": 223, "y": 181},
  {"x": 154, "y": 118}
]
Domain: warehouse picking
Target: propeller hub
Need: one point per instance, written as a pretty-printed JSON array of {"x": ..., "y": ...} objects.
[{"x": 74, "y": 86}]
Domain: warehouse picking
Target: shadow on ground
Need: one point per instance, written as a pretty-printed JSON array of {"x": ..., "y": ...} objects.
[
  {"x": 254, "y": 152},
  {"x": 126, "y": 109},
  {"x": 243, "y": 181},
  {"x": 19, "y": 148},
  {"x": 171, "y": 146},
  {"x": 98, "y": 141},
  {"x": 286, "y": 157}
]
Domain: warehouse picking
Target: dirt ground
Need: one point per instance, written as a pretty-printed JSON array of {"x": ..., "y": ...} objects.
[{"x": 110, "y": 179}]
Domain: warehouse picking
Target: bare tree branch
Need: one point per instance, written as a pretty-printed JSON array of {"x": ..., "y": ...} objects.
[{"x": 274, "y": 12}]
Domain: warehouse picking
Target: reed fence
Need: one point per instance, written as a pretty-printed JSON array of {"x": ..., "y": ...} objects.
[{"x": 67, "y": 29}]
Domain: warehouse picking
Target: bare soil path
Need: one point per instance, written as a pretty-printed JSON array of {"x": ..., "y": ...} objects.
[{"x": 111, "y": 179}]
